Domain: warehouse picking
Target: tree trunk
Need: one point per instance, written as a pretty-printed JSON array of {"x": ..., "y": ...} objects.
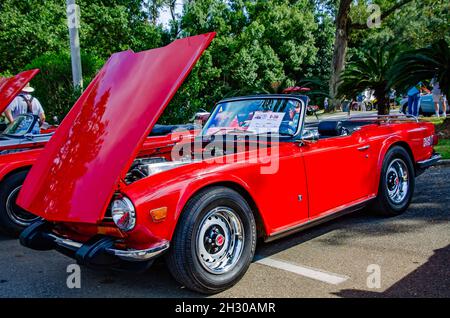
[
  {"x": 382, "y": 101},
  {"x": 340, "y": 48}
]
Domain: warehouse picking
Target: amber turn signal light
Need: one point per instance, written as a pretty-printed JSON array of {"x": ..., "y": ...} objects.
[{"x": 159, "y": 215}]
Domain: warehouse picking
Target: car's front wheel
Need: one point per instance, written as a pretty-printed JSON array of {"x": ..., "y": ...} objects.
[
  {"x": 396, "y": 183},
  {"x": 214, "y": 242},
  {"x": 13, "y": 219}
]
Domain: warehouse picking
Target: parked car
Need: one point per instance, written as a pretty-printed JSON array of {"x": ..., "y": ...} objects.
[
  {"x": 426, "y": 106},
  {"x": 106, "y": 204},
  {"x": 20, "y": 146},
  {"x": 15, "y": 163},
  {"x": 22, "y": 135}
]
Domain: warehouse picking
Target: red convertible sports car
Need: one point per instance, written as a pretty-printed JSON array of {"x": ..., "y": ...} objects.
[
  {"x": 22, "y": 142},
  {"x": 257, "y": 169}
]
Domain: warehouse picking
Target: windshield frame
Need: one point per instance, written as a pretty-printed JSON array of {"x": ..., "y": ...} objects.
[
  {"x": 29, "y": 130},
  {"x": 298, "y": 99}
]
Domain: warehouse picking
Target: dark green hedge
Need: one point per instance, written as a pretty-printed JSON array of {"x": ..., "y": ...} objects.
[{"x": 54, "y": 86}]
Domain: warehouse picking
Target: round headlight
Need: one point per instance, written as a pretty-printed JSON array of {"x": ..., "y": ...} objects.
[{"x": 123, "y": 214}]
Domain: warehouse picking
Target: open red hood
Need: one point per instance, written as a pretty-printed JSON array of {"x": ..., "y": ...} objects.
[
  {"x": 80, "y": 168},
  {"x": 10, "y": 87}
]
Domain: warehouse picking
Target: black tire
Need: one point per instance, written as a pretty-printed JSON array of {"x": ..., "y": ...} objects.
[
  {"x": 183, "y": 259},
  {"x": 12, "y": 218},
  {"x": 385, "y": 204}
]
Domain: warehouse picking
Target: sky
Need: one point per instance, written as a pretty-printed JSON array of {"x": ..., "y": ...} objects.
[{"x": 165, "y": 14}]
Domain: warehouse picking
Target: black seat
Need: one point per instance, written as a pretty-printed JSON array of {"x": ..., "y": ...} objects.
[
  {"x": 330, "y": 128},
  {"x": 163, "y": 130}
]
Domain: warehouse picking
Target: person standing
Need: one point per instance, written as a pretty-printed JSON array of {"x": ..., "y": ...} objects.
[
  {"x": 438, "y": 97},
  {"x": 360, "y": 100},
  {"x": 325, "y": 103},
  {"x": 414, "y": 99},
  {"x": 25, "y": 103}
]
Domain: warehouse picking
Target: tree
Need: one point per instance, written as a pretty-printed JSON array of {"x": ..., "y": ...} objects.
[
  {"x": 112, "y": 26},
  {"x": 344, "y": 26},
  {"x": 34, "y": 34},
  {"x": 416, "y": 25},
  {"x": 368, "y": 71},
  {"x": 422, "y": 64},
  {"x": 261, "y": 46},
  {"x": 54, "y": 83},
  {"x": 29, "y": 29},
  {"x": 153, "y": 8}
]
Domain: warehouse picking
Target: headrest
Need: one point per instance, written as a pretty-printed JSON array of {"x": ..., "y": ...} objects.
[{"x": 330, "y": 128}]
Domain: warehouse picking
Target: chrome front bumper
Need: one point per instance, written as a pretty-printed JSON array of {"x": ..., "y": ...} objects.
[
  {"x": 140, "y": 255},
  {"x": 97, "y": 252}
]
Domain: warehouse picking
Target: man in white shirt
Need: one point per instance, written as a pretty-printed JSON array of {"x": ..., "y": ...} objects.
[{"x": 24, "y": 103}]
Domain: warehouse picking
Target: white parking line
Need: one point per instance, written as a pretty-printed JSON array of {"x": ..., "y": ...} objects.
[{"x": 309, "y": 272}]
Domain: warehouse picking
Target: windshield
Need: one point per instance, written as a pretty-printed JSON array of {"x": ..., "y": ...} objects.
[
  {"x": 256, "y": 116},
  {"x": 21, "y": 126}
]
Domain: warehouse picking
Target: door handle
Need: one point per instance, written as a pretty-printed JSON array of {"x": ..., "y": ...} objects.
[{"x": 364, "y": 148}]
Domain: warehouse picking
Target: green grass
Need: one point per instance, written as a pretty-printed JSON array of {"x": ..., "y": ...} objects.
[
  {"x": 434, "y": 120},
  {"x": 444, "y": 144},
  {"x": 444, "y": 148}
]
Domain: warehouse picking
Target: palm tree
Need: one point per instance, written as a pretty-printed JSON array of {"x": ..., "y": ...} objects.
[
  {"x": 368, "y": 70},
  {"x": 414, "y": 66}
]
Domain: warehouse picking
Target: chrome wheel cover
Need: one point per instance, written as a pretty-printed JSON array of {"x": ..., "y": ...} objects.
[
  {"x": 15, "y": 213},
  {"x": 397, "y": 181},
  {"x": 220, "y": 240}
]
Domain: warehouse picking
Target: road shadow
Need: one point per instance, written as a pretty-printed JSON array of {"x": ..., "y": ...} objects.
[
  {"x": 156, "y": 282},
  {"x": 5, "y": 238},
  {"x": 429, "y": 280},
  {"x": 430, "y": 207}
]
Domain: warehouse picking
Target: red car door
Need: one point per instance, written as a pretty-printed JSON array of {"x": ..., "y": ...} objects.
[{"x": 338, "y": 171}]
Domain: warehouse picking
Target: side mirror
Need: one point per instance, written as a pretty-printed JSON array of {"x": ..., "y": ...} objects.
[{"x": 310, "y": 136}]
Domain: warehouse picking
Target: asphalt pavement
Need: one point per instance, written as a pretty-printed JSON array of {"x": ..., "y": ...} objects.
[{"x": 360, "y": 255}]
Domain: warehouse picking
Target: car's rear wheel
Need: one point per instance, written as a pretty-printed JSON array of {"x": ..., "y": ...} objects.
[
  {"x": 397, "y": 183},
  {"x": 214, "y": 242},
  {"x": 13, "y": 219}
]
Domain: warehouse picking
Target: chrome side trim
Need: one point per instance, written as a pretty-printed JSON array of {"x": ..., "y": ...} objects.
[
  {"x": 333, "y": 215},
  {"x": 140, "y": 255}
]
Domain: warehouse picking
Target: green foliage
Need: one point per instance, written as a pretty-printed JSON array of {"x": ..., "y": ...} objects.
[
  {"x": 443, "y": 148},
  {"x": 28, "y": 29},
  {"x": 113, "y": 26},
  {"x": 31, "y": 28},
  {"x": 423, "y": 64},
  {"x": 261, "y": 46},
  {"x": 34, "y": 34},
  {"x": 54, "y": 87},
  {"x": 416, "y": 25},
  {"x": 368, "y": 70}
]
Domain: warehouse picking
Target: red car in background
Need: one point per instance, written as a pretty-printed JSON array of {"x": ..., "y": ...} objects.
[
  {"x": 17, "y": 137},
  {"x": 106, "y": 203}
]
